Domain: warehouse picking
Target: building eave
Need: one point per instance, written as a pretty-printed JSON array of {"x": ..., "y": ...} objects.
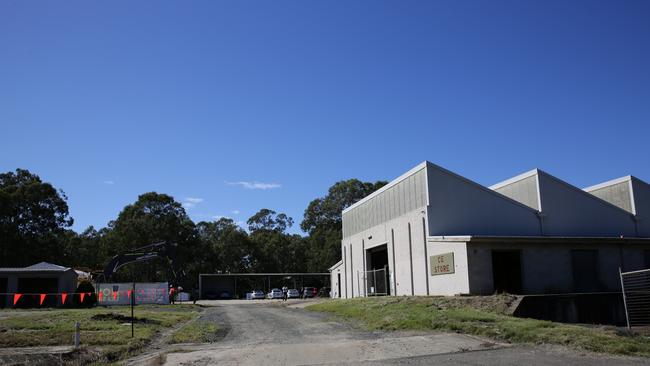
[{"x": 538, "y": 239}]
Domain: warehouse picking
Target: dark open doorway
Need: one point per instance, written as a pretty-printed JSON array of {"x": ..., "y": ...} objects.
[
  {"x": 377, "y": 271},
  {"x": 3, "y": 290},
  {"x": 338, "y": 284},
  {"x": 506, "y": 271},
  {"x": 584, "y": 263}
]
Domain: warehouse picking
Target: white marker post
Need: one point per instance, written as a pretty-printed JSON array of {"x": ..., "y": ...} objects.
[{"x": 77, "y": 334}]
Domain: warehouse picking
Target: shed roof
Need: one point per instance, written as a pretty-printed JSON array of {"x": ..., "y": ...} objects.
[{"x": 38, "y": 267}]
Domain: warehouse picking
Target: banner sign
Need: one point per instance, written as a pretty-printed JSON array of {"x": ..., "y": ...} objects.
[
  {"x": 145, "y": 293},
  {"x": 442, "y": 264}
]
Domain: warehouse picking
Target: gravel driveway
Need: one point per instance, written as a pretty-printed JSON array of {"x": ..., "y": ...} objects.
[{"x": 267, "y": 333}]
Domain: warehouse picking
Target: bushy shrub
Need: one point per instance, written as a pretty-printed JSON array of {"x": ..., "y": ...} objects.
[{"x": 87, "y": 288}]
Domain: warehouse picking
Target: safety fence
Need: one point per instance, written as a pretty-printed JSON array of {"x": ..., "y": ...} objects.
[
  {"x": 376, "y": 282},
  {"x": 636, "y": 297},
  {"x": 105, "y": 294}
]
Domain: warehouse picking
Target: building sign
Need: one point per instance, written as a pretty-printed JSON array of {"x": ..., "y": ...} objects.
[
  {"x": 120, "y": 293},
  {"x": 442, "y": 264}
]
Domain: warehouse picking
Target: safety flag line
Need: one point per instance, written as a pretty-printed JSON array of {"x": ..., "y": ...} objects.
[
  {"x": 46, "y": 293},
  {"x": 41, "y": 296}
]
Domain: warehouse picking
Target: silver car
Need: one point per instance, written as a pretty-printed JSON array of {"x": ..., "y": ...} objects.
[
  {"x": 293, "y": 294},
  {"x": 276, "y": 293}
]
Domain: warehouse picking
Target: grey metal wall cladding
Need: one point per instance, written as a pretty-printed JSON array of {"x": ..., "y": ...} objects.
[
  {"x": 405, "y": 196},
  {"x": 617, "y": 194},
  {"x": 523, "y": 191}
]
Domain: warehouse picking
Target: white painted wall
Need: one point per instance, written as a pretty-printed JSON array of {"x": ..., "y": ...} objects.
[
  {"x": 449, "y": 284},
  {"x": 400, "y": 268}
]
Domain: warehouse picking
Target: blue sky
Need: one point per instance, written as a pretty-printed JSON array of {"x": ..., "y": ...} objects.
[{"x": 108, "y": 100}]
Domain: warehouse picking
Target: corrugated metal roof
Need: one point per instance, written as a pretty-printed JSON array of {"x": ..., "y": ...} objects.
[{"x": 38, "y": 267}]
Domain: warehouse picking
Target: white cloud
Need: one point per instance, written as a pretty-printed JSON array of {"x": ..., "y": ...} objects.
[
  {"x": 191, "y": 201},
  {"x": 235, "y": 212},
  {"x": 109, "y": 182},
  {"x": 255, "y": 185}
]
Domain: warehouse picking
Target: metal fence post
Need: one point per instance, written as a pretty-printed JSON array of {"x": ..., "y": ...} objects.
[
  {"x": 374, "y": 281},
  {"x": 627, "y": 316}
]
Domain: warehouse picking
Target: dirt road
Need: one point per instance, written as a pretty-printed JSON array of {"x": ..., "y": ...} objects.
[{"x": 263, "y": 333}]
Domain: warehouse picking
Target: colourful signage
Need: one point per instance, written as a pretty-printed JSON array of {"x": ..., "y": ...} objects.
[{"x": 145, "y": 293}]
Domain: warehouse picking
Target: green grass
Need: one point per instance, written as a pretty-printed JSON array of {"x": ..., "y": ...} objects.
[
  {"x": 102, "y": 328},
  {"x": 448, "y": 314},
  {"x": 195, "y": 332}
]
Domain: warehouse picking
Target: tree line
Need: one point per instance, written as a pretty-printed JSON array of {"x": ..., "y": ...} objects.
[{"x": 35, "y": 226}]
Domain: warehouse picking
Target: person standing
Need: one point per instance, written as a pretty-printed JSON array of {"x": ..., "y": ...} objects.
[
  {"x": 284, "y": 293},
  {"x": 172, "y": 294}
]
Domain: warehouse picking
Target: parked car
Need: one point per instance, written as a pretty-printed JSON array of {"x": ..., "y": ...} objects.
[
  {"x": 293, "y": 294},
  {"x": 309, "y": 292},
  {"x": 275, "y": 293},
  {"x": 257, "y": 295},
  {"x": 225, "y": 295}
]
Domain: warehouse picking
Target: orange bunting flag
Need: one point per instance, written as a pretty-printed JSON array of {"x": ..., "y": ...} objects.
[
  {"x": 81, "y": 297},
  {"x": 16, "y": 297},
  {"x": 115, "y": 295},
  {"x": 42, "y": 299},
  {"x": 128, "y": 293},
  {"x": 63, "y": 297}
]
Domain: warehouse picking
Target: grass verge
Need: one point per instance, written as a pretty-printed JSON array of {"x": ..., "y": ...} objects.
[
  {"x": 195, "y": 332},
  {"x": 105, "y": 329},
  {"x": 448, "y": 314}
]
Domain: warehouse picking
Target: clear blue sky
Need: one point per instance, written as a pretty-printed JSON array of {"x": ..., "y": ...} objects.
[{"x": 107, "y": 100}]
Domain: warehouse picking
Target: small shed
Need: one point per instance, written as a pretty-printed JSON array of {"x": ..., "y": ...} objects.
[
  {"x": 335, "y": 279},
  {"x": 32, "y": 281}
]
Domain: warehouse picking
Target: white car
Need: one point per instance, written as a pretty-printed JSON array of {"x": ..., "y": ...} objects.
[
  {"x": 257, "y": 294},
  {"x": 276, "y": 293},
  {"x": 293, "y": 294}
]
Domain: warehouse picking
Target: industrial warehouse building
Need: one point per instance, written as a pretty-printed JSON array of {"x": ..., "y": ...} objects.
[{"x": 438, "y": 233}]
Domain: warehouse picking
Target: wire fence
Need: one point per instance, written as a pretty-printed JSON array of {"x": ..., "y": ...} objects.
[
  {"x": 636, "y": 297},
  {"x": 376, "y": 282}
]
